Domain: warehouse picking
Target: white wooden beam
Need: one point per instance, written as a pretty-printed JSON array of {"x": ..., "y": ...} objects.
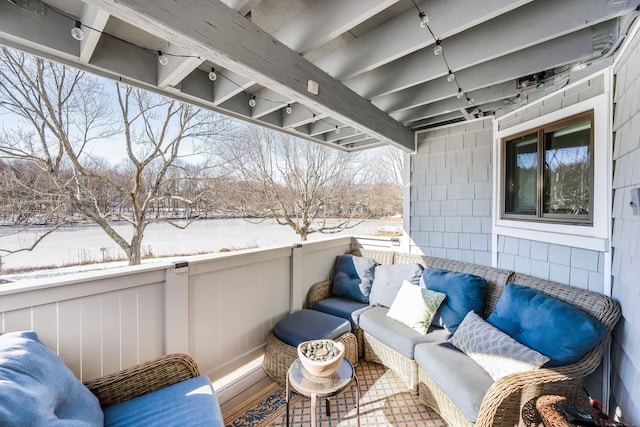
[
  {"x": 403, "y": 34},
  {"x": 181, "y": 63},
  {"x": 322, "y": 21},
  {"x": 50, "y": 33},
  {"x": 268, "y": 101},
  {"x": 229, "y": 84},
  {"x": 241, "y": 6},
  {"x": 445, "y": 118},
  {"x": 226, "y": 38},
  {"x": 567, "y": 49},
  {"x": 97, "y": 20},
  {"x": 489, "y": 94},
  {"x": 526, "y": 26}
]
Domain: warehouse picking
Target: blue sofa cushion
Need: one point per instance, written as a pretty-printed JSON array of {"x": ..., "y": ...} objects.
[
  {"x": 353, "y": 276},
  {"x": 388, "y": 280},
  {"x": 456, "y": 374},
  {"x": 465, "y": 292},
  {"x": 37, "y": 389},
  {"x": 548, "y": 325},
  {"x": 192, "y": 402},
  {"x": 342, "y": 307},
  {"x": 397, "y": 335},
  {"x": 305, "y": 325}
]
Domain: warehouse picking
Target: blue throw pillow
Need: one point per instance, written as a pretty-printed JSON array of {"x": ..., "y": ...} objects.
[
  {"x": 38, "y": 389},
  {"x": 465, "y": 292},
  {"x": 388, "y": 281},
  {"x": 353, "y": 277},
  {"x": 548, "y": 325}
]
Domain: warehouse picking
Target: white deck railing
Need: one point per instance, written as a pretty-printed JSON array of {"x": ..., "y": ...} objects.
[{"x": 218, "y": 308}]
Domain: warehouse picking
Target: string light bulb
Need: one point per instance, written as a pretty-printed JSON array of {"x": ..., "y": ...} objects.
[
  {"x": 212, "y": 75},
  {"x": 451, "y": 77},
  {"x": 252, "y": 101},
  {"x": 288, "y": 109},
  {"x": 460, "y": 93},
  {"x": 437, "y": 50},
  {"x": 470, "y": 100},
  {"x": 337, "y": 129},
  {"x": 424, "y": 19},
  {"x": 76, "y": 32},
  {"x": 162, "y": 59}
]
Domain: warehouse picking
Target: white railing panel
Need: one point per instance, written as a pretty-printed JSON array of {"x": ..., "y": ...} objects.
[
  {"x": 317, "y": 264},
  {"x": 220, "y": 307},
  {"x": 234, "y": 301},
  {"x": 99, "y": 323}
]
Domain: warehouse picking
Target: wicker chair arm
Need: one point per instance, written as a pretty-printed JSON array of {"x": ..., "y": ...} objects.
[
  {"x": 142, "y": 379},
  {"x": 496, "y": 398},
  {"x": 320, "y": 290}
]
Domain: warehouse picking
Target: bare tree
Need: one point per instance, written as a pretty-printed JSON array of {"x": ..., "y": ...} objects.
[
  {"x": 63, "y": 113},
  {"x": 300, "y": 184}
]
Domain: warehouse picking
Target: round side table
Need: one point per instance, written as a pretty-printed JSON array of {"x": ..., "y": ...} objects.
[{"x": 322, "y": 387}]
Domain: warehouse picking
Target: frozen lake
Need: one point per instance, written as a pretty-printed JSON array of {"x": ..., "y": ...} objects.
[{"x": 82, "y": 244}]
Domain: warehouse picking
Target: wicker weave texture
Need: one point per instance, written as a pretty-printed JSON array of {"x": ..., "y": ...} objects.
[
  {"x": 407, "y": 369},
  {"x": 378, "y": 255},
  {"x": 319, "y": 291},
  {"x": 279, "y": 356},
  {"x": 142, "y": 379}
]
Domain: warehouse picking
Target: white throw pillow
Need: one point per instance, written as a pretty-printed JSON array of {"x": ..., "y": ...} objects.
[
  {"x": 415, "y": 306},
  {"x": 497, "y": 353}
]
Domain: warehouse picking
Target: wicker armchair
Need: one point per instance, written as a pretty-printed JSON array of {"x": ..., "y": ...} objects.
[{"x": 142, "y": 379}]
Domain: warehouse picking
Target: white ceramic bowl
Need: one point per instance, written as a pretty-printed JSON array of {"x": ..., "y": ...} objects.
[{"x": 325, "y": 364}]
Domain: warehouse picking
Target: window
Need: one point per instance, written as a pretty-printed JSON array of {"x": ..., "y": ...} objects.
[{"x": 548, "y": 172}]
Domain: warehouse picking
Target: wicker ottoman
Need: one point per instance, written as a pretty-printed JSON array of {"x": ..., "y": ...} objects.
[{"x": 282, "y": 342}]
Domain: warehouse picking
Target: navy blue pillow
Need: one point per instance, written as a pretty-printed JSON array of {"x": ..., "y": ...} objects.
[
  {"x": 388, "y": 280},
  {"x": 465, "y": 292},
  {"x": 548, "y": 325},
  {"x": 353, "y": 277}
]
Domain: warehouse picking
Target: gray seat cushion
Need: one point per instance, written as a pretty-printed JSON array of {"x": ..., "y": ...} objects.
[
  {"x": 388, "y": 280},
  {"x": 457, "y": 375},
  {"x": 397, "y": 335},
  {"x": 305, "y": 325},
  {"x": 342, "y": 307}
]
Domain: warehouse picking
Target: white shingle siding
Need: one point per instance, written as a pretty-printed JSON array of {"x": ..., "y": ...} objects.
[{"x": 454, "y": 163}]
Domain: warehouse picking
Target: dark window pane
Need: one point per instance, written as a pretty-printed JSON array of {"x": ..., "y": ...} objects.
[
  {"x": 521, "y": 175},
  {"x": 567, "y": 177}
]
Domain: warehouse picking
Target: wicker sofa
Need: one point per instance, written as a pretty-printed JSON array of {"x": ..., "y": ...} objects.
[{"x": 503, "y": 401}]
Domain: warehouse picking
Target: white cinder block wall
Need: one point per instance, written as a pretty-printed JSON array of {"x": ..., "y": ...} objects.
[
  {"x": 451, "y": 187},
  {"x": 625, "y": 391}
]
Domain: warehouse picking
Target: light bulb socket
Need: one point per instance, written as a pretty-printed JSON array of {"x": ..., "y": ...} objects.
[
  {"x": 162, "y": 59},
  {"x": 76, "y": 31},
  {"x": 437, "y": 49},
  {"x": 252, "y": 102},
  {"x": 424, "y": 19},
  {"x": 288, "y": 109},
  {"x": 451, "y": 77},
  {"x": 213, "y": 75}
]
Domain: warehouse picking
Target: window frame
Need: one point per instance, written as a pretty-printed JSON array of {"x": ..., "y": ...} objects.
[{"x": 540, "y": 132}]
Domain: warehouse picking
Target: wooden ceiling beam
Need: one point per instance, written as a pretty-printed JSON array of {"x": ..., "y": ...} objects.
[{"x": 223, "y": 37}]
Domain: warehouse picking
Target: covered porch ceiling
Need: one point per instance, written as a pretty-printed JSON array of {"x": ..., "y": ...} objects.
[{"x": 350, "y": 74}]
